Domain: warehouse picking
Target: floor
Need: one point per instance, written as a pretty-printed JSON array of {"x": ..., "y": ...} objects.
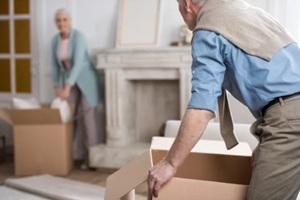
[{"x": 95, "y": 176}]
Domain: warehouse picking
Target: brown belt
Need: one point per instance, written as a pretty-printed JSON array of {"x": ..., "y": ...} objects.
[{"x": 276, "y": 100}]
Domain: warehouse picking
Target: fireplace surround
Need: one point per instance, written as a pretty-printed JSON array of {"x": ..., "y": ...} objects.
[{"x": 143, "y": 89}]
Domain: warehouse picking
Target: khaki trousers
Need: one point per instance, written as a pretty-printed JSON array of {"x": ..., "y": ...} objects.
[
  {"x": 276, "y": 172},
  {"x": 88, "y": 125}
]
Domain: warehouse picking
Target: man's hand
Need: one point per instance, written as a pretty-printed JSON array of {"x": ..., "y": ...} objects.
[
  {"x": 192, "y": 127},
  {"x": 159, "y": 175}
]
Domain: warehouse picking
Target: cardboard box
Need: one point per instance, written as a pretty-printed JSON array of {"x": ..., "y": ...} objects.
[
  {"x": 209, "y": 173},
  {"x": 42, "y": 143}
]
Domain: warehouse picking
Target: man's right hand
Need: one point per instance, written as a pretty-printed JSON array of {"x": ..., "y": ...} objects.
[
  {"x": 159, "y": 175},
  {"x": 191, "y": 128}
]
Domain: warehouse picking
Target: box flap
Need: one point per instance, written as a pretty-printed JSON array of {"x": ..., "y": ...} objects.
[
  {"x": 128, "y": 177},
  {"x": 179, "y": 189},
  {"x": 211, "y": 167},
  {"x": 36, "y": 116},
  {"x": 204, "y": 146},
  {"x": 6, "y": 115}
]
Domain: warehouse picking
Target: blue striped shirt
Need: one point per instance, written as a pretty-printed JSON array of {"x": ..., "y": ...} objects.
[{"x": 251, "y": 80}]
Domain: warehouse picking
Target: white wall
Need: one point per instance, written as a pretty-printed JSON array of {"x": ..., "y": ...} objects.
[
  {"x": 97, "y": 19},
  {"x": 287, "y": 13}
]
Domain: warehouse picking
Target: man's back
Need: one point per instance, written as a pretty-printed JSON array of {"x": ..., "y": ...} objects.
[{"x": 252, "y": 80}]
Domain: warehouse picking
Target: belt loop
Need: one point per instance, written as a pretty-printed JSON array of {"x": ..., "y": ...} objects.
[{"x": 281, "y": 101}]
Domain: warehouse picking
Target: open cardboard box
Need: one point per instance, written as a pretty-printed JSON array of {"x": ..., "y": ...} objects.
[
  {"x": 42, "y": 142},
  {"x": 209, "y": 173}
]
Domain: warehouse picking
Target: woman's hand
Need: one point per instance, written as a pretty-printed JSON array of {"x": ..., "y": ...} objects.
[
  {"x": 65, "y": 94},
  {"x": 159, "y": 175},
  {"x": 57, "y": 91}
]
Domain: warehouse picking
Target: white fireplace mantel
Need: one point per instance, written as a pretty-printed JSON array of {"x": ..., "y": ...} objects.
[
  {"x": 172, "y": 57},
  {"x": 143, "y": 89},
  {"x": 121, "y": 66}
]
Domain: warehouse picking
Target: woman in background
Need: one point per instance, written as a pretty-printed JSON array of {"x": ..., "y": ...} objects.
[{"x": 75, "y": 79}]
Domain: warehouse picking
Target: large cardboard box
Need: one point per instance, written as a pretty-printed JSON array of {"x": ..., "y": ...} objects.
[
  {"x": 42, "y": 143},
  {"x": 209, "y": 173}
]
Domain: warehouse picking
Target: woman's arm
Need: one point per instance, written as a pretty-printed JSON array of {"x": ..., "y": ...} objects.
[
  {"x": 55, "y": 65},
  {"x": 79, "y": 56},
  {"x": 65, "y": 92}
]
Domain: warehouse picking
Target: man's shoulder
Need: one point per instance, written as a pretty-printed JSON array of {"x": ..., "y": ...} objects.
[{"x": 203, "y": 35}]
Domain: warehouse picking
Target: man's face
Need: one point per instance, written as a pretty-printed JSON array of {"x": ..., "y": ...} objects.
[{"x": 189, "y": 17}]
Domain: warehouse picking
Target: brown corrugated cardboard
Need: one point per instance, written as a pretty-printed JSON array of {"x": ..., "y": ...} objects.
[
  {"x": 203, "y": 176},
  {"x": 5, "y": 115},
  {"x": 36, "y": 116},
  {"x": 42, "y": 143}
]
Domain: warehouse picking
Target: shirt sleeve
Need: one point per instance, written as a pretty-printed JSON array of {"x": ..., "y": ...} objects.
[
  {"x": 55, "y": 65},
  {"x": 79, "y": 59},
  {"x": 208, "y": 70}
]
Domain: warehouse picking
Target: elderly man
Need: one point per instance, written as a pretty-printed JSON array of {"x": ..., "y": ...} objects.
[{"x": 242, "y": 49}]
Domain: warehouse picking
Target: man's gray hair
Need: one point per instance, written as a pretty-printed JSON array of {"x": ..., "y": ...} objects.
[
  {"x": 195, "y": 1},
  {"x": 198, "y": 1},
  {"x": 62, "y": 10}
]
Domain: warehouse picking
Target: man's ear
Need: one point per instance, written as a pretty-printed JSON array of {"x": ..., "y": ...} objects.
[{"x": 188, "y": 5}]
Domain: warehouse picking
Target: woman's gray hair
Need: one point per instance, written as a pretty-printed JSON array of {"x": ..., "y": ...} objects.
[{"x": 62, "y": 10}]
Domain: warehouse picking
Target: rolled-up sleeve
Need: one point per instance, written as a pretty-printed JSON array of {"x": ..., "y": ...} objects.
[
  {"x": 208, "y": 70},
  {"x": 80, "y": 49},
  {"x": 55, "y": 66}
]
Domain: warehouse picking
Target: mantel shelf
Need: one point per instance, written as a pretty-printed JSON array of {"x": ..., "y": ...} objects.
[
  {"x": 142, "y": 50},
  {"x": 173, "y": 57}
]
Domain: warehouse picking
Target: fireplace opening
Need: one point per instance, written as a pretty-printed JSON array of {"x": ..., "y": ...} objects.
[{"x": 154, "y": 103}]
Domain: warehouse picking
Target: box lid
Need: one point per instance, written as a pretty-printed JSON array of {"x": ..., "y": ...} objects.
[
  {"x": 128, "y": 177},
  {"x": 35, "y": 116}
]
